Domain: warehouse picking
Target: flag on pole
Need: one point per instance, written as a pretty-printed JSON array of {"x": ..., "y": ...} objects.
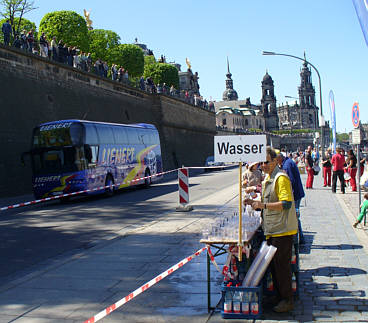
[
  {"x": 333, "y": 119},
  {"x": 361, "y": 8}
]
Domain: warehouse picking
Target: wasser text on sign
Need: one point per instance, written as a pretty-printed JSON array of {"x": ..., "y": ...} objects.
[{"x": 240, "y": 148}]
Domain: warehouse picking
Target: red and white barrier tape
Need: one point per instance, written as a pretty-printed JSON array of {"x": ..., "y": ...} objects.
[
  {"x": 14, "y": 206},
  {"x": 80, "y": 192},
  {"x": 143, "y": 288}
]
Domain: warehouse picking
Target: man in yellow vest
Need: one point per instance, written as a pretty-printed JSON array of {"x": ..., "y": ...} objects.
[{"x": 279, "y": 226}]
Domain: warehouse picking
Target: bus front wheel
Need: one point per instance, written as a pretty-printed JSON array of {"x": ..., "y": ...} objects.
[{"x": 109, "y": 191}]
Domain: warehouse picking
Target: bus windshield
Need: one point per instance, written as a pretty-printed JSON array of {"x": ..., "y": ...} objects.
[
  {"x": 58, "y": 160},
  {"x": 58, "y": 135}
]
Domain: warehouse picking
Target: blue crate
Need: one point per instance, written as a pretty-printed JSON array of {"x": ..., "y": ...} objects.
[{"x": 252, "y": 314}]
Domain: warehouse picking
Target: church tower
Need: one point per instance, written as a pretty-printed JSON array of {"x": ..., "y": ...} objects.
[
  {"x": 268, "y": 103},
  {"x": 307, "y": 99},
  {"x": 229, "y": 94}
]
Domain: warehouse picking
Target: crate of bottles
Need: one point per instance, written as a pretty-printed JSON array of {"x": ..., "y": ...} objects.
[{"x": 241, "y": 302}]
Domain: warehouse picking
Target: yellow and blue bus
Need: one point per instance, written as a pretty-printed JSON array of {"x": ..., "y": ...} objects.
[{"x": 77, "y": 155}]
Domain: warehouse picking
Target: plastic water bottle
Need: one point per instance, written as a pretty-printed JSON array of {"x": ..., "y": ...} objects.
[
  {"x": 228, "y": 301},
  {"x": 293, "y": 255},
  {"x": 269, "y": 282},
  {"x": 254, "y": 304},
  {"x": 236, "y": 300},
  {"x": 293, "y": 283},
  {"x": 245, "y": 302}
]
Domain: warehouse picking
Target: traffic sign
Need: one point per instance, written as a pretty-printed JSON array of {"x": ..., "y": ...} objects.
[
  {"x": 355, "y": 136},
  {"x": 247, "y": 149},
  {"x": 355, "y": 115}
]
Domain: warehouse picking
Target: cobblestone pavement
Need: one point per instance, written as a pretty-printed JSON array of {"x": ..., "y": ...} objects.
[{"x": 333, "y": 283}]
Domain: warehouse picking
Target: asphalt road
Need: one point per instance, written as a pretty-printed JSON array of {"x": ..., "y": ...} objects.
[{"x": 35, "y": 235}]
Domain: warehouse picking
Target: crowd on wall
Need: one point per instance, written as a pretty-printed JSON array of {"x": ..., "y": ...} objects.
[{"x": 58, "y": 51}]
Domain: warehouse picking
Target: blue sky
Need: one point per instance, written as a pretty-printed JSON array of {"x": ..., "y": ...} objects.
[{"x": 208, "y": 31}]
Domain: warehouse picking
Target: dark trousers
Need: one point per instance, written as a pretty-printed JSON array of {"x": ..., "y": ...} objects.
[
  {"x": 338, "y": 174},
  {"x": 281, "y": 266}
]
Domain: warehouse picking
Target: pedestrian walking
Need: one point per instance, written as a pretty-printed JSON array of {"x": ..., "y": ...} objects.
[
  {"x": 7, "y": 31},
  {"x": 309, "y": 163},
  {"x": 338, "y": 162}
]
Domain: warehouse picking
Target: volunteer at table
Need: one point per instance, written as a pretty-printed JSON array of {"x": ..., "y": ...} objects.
[{"x": 279, "y": 226}]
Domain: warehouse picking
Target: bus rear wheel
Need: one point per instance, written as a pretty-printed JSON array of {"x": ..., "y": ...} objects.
[{"x": 109, "y": 191}]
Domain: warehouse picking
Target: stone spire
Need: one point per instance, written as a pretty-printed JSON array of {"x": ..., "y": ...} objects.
[{"x": 229, "y": 94}]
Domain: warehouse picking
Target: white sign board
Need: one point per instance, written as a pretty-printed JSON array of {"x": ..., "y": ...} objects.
[
  {"x": 355, "y": 136},
  {"x": 247, "y": 149}
]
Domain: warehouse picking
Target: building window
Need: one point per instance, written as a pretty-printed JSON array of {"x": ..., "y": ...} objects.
[
  {"x": 224, "y": 122},
  {"x": 246, "y": 122}
]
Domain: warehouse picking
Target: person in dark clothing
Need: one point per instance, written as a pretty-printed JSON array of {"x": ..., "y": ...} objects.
[
  {"x": 291, "y": 169},
  {"x": 61, "y": 52},
  {"x": 17, "y": 42},
  {"x": 7, "y": 31},
  {"x": 352, "y": 169},
  {"x": 30, "y": 40},
  {"x": 326, "y": 165}
]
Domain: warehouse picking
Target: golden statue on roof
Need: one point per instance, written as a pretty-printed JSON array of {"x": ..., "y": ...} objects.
[
  {"x": 88, "y": 20},
  {"x": 188, "y": 63}
]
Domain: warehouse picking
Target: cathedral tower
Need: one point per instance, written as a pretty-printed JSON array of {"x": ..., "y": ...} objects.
[{"x": 268, "y": 102}]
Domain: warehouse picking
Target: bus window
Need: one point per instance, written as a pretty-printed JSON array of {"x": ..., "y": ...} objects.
[
  {"x": 105, "y": 134},
  {"x": 133, "y": 136},
  {"x": 91, "y": 134},
  {"x": 121, "y": 136}
]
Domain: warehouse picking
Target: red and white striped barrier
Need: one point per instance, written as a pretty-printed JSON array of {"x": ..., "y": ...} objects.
[
  {"x": 80, "y": 192},
  {"x": 183, "y": 174},
  {"x": 143, "y": 288}
]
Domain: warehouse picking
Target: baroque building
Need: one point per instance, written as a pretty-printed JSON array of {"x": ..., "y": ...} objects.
[{"x": 240, "y": 115}]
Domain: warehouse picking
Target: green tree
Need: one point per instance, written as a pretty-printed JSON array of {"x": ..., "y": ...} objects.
[
  {"x": 130, "y": 57},
  {"x": 67, "y": 26},
  {"x": 24, "y": 25},
  {"x": 340, "y": 137},
  {"x": 102, "y": 43},
  {"x": 149, "y": 59},
  {"x": 14, "y": 10},
  {"x": 162, "y": 73}
]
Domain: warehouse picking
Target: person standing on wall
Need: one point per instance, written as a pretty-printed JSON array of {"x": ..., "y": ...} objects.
[
  {"x": 7, "y": 31},
  {"x": 279, "y": 226},
  {"x": 338, "y": 162},
  {"x": 326, "y": 165},
  {"x": 309, "y": 163}
]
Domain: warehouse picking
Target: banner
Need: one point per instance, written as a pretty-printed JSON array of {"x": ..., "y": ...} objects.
[
  {"x": 333, "y": 119},
  {"x": 361, "y": 8}
]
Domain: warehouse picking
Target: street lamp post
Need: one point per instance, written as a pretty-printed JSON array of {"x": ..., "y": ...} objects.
[{"x": 320, "y": 90}]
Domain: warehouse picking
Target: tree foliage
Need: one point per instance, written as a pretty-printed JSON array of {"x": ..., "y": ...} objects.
[
  {"x": 130, "y": 57},
  {"x": 67, "y": 26},
  {"x": 24, "y": 25},
  {"x": 102, "y": 43},
  {"x": 341, "y": 137},
  {"x": 14, "y": 10},
  {"x": 162, "y": 73}
]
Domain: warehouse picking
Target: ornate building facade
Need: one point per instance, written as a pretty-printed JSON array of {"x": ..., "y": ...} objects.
[{"x": 237, "y": 115}]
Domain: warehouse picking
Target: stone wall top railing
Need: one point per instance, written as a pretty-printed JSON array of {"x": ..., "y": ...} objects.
[{"x": 26, "y": 61}]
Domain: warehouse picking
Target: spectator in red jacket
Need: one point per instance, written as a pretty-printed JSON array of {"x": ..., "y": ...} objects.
[{"x": 338, "y": 161}]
